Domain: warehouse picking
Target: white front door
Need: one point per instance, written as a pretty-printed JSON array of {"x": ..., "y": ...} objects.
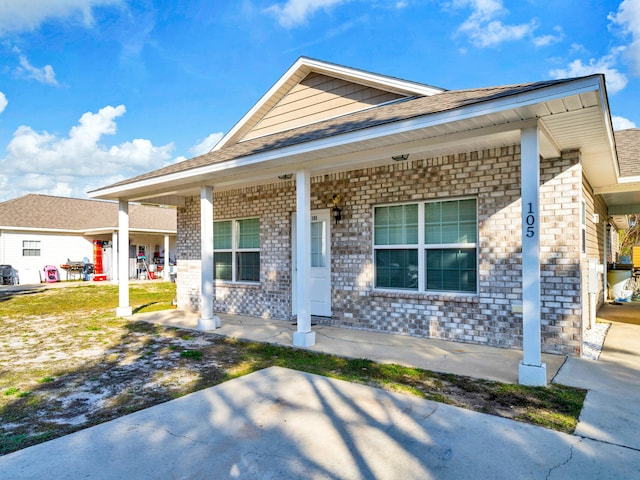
[{"x": 320, "y": 277}]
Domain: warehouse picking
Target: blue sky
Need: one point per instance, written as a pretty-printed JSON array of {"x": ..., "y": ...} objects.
[{"x": 95, "y": 91}]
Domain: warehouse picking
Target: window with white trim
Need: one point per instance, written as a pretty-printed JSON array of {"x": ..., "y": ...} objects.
[
  {"x": 31, "y": 248},
  {"x": 236, "y": 250},
  {"x": 427, "y": 246}
]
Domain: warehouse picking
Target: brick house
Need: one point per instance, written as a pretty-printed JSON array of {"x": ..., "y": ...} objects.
[{"x": 371, "y": 202}]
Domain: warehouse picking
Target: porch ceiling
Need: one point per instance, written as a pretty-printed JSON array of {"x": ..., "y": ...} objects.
[{"x": 572, "y": 116}]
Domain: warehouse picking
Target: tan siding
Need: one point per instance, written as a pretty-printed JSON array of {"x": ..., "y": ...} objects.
[
  {"x": 316, "y": 98},
  {"x": 595, "y": 246}
]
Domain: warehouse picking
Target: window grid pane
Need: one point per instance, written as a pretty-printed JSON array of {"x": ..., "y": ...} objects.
[
  {"x": 453, "y": 221},
  {"x": 248, "y": 267},
  {"x": 397, "y": 269},
  {"x": 249, "y": 233},
  {"x": 451, "y": 269},
  {"x": 222, "y": 235},
  {"x": 396, "y": 225},
  {"x": 222, "y": 267}
]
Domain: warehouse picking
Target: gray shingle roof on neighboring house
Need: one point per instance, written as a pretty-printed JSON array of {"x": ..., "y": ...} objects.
[
  {"x": 400, "y": 110},
  {"x": 74, "y": 214},
  {"x": 628, "y": 146}
]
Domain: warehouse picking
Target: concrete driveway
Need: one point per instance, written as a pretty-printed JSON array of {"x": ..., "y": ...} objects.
[{"x": 282, "y": 424}]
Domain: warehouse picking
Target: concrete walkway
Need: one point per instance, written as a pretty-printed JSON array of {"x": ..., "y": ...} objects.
[
  {"x": 279, "y": 423},
  {"x": 611, "y": 411},
  {"x": 477, "y": 361}
]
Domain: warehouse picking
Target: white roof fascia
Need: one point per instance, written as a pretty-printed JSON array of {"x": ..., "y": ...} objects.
[
  {"x": 609, "y": 124},
  {"x": 576, "y": 87},
  {"x": 93, "y": 231},
  {"x": 618, "y": 187},
  {"x": 394, "y": 84},
  {"x": 41, "y": 230},
  {"x": 97, "y": 231},
  {"x": 357, "y": 76},
  {"x": 635, "y": 179}
]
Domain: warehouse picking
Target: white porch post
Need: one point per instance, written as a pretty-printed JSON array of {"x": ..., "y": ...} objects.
[
  {"x": 303, "y": 337},
  {"x": 124, "y": 309},
  {"x": 531, "y": 371},
  {"x": 115, "y": 247},
  {"x": 207, "y": 320},
  {"x": 165, "y": 268}
]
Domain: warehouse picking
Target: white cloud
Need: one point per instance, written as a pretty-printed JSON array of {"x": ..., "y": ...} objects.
[
  {"x": 27, "y": 15},
  {"x": 3, "y": 102},
  {"x": 206, "y": 145},
  {"x": 546, "y": 40},
  {"x": 47, "y": 163},
  {"x": 621, "y": 123},
  {"x": 296, "y": 12},
  {"x": 628, "y": 19},
  {"x": 616, "y": 80},
  {"x": 484, "y": 30},
  {"x": 44, "y": 75}
]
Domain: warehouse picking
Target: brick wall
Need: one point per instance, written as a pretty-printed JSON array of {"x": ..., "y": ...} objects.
[{"x": 492, "y": 176}]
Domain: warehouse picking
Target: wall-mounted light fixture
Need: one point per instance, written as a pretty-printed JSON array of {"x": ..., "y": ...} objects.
[
  {"x": 286, "y": 176},
  {"x": 336, "y": 210},
  {"x": 400, "y": 158}
]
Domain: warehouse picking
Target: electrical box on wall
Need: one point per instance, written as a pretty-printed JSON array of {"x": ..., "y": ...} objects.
[{"x": 596, "y": 218}]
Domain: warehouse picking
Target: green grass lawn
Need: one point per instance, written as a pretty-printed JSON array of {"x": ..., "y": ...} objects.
[{"x": 67, "y": 362}]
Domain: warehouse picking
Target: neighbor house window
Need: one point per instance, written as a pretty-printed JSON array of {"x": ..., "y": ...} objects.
[
  {"x": 31, "y": 248},
  {"x": 427, "y": 246},
  {"x": 236, "y": 250}
]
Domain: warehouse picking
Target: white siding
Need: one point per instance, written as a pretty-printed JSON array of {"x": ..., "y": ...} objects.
[{"x": 55, "y": 249}]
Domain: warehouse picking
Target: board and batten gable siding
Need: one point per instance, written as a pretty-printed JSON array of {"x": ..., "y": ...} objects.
[
  {"x": 55, "y": 249},
  {"x": 492, "y": 176},
  {"x": 316, "y": 98}
]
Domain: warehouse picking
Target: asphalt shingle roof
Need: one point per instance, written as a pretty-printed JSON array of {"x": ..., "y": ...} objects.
[
  {"x": 628, "y": 146},
  {"x": 388, "y": 113},
  {"x": 73, "y": 214}
]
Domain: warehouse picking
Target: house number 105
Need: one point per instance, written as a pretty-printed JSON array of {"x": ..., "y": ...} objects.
[{"x": 531, "y": 222}]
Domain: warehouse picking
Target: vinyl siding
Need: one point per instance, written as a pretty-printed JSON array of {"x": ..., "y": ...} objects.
[{"x": 316, "y": 98}]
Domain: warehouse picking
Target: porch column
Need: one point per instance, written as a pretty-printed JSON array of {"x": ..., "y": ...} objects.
[
  {"x": 207, "y": 320},
  {"x": 531, "y": 371},
  {"x": 165, "y": 268},
  {"x": 303, "y": 337},
  {"x": 124, "y": 309},
  {"x": 114, "y": 256}
]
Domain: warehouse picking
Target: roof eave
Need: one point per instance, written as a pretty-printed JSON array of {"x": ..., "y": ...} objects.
[{"x": 171, "y": 182}]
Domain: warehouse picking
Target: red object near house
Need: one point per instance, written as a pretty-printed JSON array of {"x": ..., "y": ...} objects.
[{"x": 97, "y": 257}]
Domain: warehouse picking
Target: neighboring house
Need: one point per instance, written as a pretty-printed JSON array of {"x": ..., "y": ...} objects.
[
  {"x": 40, "y": 230},
  {"x": 375, "y": 203}
]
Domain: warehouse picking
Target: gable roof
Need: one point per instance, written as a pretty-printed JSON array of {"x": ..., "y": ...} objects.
[
  {"x": 43, "y": 212},
  {"x": 401, "y": 110},
  {"x": 628, "y": 146},
  {"x": 330, "y": 81}
]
